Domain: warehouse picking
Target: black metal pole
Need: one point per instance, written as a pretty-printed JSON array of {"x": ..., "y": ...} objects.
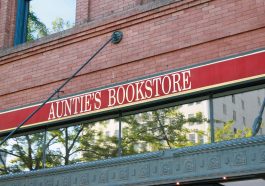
[
  {"x": 115, "y": 39},
  {"x": 120, "y": 137},
  {"x": 44, "y": 149},
  {"x": 211, "y": 118}
]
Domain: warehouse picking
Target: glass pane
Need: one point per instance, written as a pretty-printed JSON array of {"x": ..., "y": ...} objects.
[
  {"x": 256, "y": 182},
  {"x": 167, "y": 128},
  {"x": 100, "y": 140},
  {"x": 62, "y": 146},
  {"x": 22, "y": 153},
  {"x": 234, "y": 114},
  {"x": 46, "y": 18},
  {"x": 84, "y": 142}
]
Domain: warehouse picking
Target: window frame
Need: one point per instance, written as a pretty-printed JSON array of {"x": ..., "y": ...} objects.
[{"x": 21, "y": 21}]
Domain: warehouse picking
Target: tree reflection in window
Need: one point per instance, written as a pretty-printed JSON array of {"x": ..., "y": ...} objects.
[
  {"x": 89, "y": 141},
  {"x": 157, "y": 130},
  {"x": 22, "y": 153}
]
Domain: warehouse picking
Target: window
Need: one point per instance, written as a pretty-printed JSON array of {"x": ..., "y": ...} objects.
[
  {"x": 239, "y": 117},
  {"x": 192, "y": 138},
  {"x": 254, "y": 182},
  {"x": 23, "y": 153},
  {"x": 244, "y": 121},
  {"x": 201, "y": 139},
  {"x": 234, "y": 115},
  {"x": 162, "y": 129},
  {"x": 243, "y": 104},
  {"x": 21, "y": 21},
  {"x": 38, "y": 18},
  {"x": 189, "y": 117},
  {"x": 259, "y": 101},
  {"x": 233, "y": 99},
  {"x": 151, "y": 130},
  {"x": 88, "y": 141},
  {"x": 224, "y": 109}
]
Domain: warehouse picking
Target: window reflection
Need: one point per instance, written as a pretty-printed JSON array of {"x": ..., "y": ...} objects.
[
  {"x": 240, "y": 112},
  {"x": 45, "y": 18},
  {"x": 84, "y": 142},
  {"x": 62, "y": 146},
  {"x": 256, "y": 182},
  {"x": 154, "y": 130},
  {"x": 22, "y": 153},
  {"x": 99, "y": 140},
  {"x": 165, "y": 128}
]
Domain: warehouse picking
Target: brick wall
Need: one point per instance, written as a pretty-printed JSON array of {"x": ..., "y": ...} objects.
[
  {"x": 91, "y": 10},
  {"x": 7, "y": 23},
  {"x": 104, "y": 8},
  {"x": 171, "y": 36},
  {"x": 82, "y": 11}
]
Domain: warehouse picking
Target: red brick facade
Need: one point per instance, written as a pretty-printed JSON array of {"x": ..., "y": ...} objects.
[
  {"x": 7, "y": 22},
  {"x": 158, "y": 36}
]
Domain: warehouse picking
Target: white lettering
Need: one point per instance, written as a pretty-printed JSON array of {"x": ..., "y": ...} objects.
[
  {"x": 139, "y": 91},
  {"x": 59, "y": 108},
  {"x": 75, "y": 102},
  {"x": 148, "y": 88},
  {"x": 121, "y": 95},
  {"x": 51, "y": 114},
  {"x": 156, "y": 81},
  {"x": 112, "y": 99},
  {"x": 132, "y": 93},
  {"x": 88, "y": 98},
  {"x": 97, "y": 100},
  {"x": 164, "y": 85},
  {"x": 186, "y": 80},
  {"x": 176, "y": 85},
  {"x": 67, "y": 107}
]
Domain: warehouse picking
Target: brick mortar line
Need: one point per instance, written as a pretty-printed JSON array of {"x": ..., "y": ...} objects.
[{"x": 95, "y": 31}]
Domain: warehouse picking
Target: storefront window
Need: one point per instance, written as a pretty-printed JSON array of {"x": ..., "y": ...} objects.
[
  {"x": 241, "y": 111},
  {"x": 99, "y": 140},
  {"x": 256, "y": 182},
  {"x": 156, "y": 129},
  {"x": 165, "y": 128},
  {"x": 83, "y": 142},
  {"x": 24, "y": 153}
]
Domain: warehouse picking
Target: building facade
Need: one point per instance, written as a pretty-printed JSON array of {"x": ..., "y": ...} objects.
[{"x": 172, "y": 103}]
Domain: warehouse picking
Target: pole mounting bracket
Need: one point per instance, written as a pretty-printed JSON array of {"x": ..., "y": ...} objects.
[{"x": 116, "y": 37}]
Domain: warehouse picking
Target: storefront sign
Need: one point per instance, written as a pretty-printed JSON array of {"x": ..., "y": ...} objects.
[{"x": 205, "y": 76}]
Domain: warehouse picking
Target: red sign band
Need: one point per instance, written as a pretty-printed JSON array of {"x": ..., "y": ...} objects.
[{"x": 232, "y": 70}]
